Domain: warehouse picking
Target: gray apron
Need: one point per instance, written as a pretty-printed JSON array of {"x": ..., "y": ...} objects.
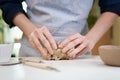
[{"x": 63, "y": 18}]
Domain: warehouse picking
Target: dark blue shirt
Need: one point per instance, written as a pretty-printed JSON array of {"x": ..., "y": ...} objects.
[{"x": 12, "y": 7}]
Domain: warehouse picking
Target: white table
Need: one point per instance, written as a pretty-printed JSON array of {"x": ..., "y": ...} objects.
[{"x": 89, "y": 68}]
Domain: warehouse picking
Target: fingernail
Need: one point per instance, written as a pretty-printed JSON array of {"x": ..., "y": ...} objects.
[
  {"x": 55, "y": 47},
  {"x": 63, "y": 51},
  {"x": 45, "y": 51},
  {"x": 60, "y": 46},
  {"x": 44, "y": 54},
  {"x": 51, "y": 52},
  {"x": 71, "y": 55}
]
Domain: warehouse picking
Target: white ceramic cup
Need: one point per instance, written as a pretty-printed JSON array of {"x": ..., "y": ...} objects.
[{"x": 5, "y": 52}]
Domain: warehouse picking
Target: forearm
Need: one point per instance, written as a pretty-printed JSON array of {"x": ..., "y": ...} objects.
[
  {"x": 24, "y": 23},
  {"x": 104, "y": 22}
]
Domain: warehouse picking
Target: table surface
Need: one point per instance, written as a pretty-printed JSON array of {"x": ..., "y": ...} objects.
[{"x": 84, "y": 68}]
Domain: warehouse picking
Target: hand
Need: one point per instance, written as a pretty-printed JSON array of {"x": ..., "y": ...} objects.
[
  {"x": 42, "y": 39},
  {"x": 76, "y": 45}
]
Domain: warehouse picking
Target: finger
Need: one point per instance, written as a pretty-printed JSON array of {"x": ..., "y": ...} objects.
[
  {"x": 46, "y": 51},
  {"x": 85, "y": 50},
  {"x": 70, "y": 50},
  {"x": 31, "y": 41},
  {"x": 69, "y": 39},
  {"x": 38, "y": 46},
  {"x": 49, "y": 37},
  {"x": 45, "y": 42},
  {"x": 78, "y": 49},
  {"x": 72, "y": 44}
]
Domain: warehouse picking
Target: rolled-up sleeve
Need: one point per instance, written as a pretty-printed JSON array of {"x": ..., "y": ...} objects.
[
  {"x": 10, "y": 8},
  {"x": 110, "y": 6}
]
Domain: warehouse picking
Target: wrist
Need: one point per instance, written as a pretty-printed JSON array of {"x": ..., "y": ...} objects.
[{"x": 92, "y": 40}]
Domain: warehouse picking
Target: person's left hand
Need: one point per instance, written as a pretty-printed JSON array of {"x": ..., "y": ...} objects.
[{"x": 76, "y": 45}]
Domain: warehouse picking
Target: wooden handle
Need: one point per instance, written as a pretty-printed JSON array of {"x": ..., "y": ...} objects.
[
  {"x": 36, "y": 65},
  {"x": 30, "y": 59}
]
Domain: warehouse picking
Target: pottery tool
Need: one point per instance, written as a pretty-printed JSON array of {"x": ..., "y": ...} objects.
[
  {"x": 36, "y": 63},
  {"x": 40, "y": 66},
  {"x": 30, "y": 59}
]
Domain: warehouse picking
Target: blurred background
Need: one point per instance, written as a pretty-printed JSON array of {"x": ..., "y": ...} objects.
[{"x": 14, "y": 34}]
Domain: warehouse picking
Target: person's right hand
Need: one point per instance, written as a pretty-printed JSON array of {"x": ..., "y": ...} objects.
[{"x": 42, "y": 39}]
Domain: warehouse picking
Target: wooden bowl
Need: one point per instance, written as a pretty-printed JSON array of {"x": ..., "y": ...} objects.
[{"x": 110, "y": 54}]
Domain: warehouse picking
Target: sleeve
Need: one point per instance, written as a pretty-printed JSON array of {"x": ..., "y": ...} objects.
[
  {"x": 9, "y": 10},
  {"x": 110, "y": 6}
]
